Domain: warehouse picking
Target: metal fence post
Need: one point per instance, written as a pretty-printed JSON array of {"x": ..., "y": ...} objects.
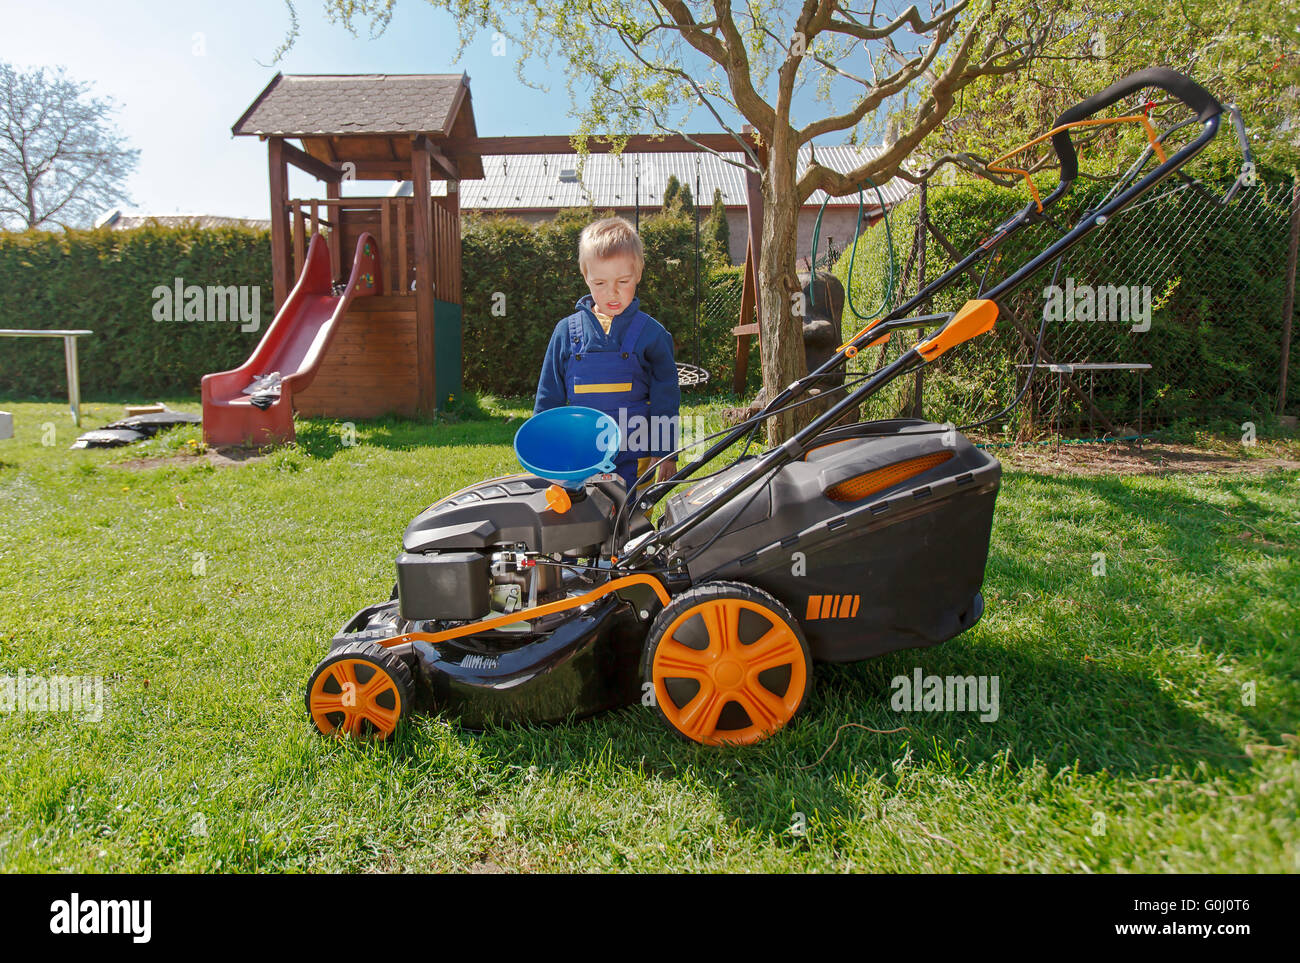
[
  {"x": 921, "y": 216},
  {"x": 1288, "y": 303}
]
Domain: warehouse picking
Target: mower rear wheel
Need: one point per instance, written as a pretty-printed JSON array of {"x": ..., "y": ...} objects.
[
  {"x": 728, "y": 663},
  {"x": 359, "y": 689}
]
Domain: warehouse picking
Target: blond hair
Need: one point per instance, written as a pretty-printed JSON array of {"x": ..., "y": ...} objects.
[{"x": 610, "y": 237}]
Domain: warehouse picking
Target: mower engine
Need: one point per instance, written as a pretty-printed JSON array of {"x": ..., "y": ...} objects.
[
  {"x": 464, "y": 556},
  {"x": 488, "y": 551}
]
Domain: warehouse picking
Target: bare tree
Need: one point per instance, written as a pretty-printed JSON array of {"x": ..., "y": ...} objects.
[
  {"x": 633, "y": 56},
  {"x": 61, "y": 162}
]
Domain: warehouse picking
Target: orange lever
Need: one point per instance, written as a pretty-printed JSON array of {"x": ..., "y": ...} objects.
[
  {"x": 867, "y": 327},
  {"x": 1144, "y": 119},
  {"x": 970, "y": 321},
  {"x": 852, "y": 352}
]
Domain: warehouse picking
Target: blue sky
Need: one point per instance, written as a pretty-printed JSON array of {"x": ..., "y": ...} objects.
[{"x": 183, "y": 71}]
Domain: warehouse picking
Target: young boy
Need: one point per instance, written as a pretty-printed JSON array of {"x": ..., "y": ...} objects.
[{"x": 612, "y": 356}]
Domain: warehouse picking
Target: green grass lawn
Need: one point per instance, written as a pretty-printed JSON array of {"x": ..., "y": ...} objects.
[{"x": 1148, "y": 717}]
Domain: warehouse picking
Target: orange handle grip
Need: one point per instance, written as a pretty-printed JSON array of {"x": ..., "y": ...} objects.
[
  {"x": 867, "y": 327},
  {"x": 970, "y": 321}
]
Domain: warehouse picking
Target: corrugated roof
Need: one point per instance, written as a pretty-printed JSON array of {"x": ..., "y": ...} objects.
[
  {"x": 533, "y": 181},
  {"x": 125, "y": 222},
  {"x": 296, "y": 105}
]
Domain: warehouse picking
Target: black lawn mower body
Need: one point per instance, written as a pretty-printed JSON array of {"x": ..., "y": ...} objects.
[
  {"x": 859, "y": 573},
  {"x": 862, "y": 573}
]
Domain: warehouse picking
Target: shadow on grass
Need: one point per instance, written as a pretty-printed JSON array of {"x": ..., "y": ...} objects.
[
  {"x": 1206, "y": 549},
  {"x": 1061, "y": 715}
]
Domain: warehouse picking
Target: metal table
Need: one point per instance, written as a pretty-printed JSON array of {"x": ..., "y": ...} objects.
[
  {"x": 1060, "y": 370},
  {"x": 69, "y": 359}
]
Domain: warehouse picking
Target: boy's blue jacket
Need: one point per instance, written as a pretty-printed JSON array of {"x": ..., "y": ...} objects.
[{"x": 653, "y": 350}]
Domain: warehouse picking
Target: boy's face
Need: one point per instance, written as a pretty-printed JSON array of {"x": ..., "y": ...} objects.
[{"x": 612, "y": 282}]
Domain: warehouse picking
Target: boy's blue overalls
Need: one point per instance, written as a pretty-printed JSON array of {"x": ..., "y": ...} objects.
[
  {"x": 612, "y": 379},
  {"x": 613, "y": 382}
]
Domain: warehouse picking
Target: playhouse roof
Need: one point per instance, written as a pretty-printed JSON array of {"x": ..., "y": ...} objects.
[
  {"x": 368, "y": 119},
  {"x": 315, "y": 105}
]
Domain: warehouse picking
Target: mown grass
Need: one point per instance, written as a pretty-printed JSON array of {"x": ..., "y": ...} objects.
[{"x": 1127, "y": 740}]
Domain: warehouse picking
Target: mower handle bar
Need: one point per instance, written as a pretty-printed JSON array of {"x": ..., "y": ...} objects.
[
  {"x": 799, "y": 443},
  {"x": 1192, "y": 94}
]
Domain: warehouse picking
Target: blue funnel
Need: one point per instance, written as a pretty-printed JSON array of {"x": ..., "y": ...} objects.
[{"x": 568, "y": 445}]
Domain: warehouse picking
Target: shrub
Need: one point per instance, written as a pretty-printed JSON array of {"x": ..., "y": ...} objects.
[{"x": 104, "y": 281}]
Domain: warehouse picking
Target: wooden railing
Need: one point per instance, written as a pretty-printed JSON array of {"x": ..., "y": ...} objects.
[
  {"x": 446, "y": 248},
  {"x": 392, "y": 222}
]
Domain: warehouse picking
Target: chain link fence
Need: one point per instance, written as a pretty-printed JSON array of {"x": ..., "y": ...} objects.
[{"x": 1178, "y": 281}]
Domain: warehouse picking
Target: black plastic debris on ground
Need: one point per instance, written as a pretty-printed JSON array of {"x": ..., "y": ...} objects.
[
  {"x": 125, "y": 431},
  {"x": 157, "y": 421},
  {"x": 108, "y": 438}
]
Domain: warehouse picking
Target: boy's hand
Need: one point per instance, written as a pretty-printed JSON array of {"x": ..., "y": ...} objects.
[{"x": 666, "y": 470}]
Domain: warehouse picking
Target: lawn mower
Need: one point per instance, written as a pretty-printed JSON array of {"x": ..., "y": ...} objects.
[{"x": 549, "y": 595}]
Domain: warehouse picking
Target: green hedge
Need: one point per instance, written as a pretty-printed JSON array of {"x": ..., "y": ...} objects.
[
  {"x": 532, "y": 272},
  {"x": 104, "y": 281},
  {"x": 1214, "y": 337}
]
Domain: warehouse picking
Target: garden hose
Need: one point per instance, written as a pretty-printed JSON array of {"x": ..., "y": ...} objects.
[{"x": 888, "y": 294}]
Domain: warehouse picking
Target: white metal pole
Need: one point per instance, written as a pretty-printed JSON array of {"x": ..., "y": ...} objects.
[{"x": 74, "y": 385}]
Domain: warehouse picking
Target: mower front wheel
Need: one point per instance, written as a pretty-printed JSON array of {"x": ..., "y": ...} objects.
[
  {"x": 359, "y": 689},
  {"x": 728, "y": 664}
]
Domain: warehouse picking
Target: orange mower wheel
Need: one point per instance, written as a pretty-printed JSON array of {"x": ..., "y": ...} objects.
[
  {"x": 728, "y": 663},
  {"x": 359, "y": 689}
]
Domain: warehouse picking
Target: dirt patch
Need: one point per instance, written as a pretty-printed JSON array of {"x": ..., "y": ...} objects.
[
  {"x": 216, "y": 457},
  {"x": 1122, "y": 458}
]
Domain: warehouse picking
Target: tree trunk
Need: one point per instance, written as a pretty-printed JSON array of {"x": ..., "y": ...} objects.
[{"x": 780, "y": 331}]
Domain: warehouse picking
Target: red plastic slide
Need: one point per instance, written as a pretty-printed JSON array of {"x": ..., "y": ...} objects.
[{"x": 293, "y": 346}]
